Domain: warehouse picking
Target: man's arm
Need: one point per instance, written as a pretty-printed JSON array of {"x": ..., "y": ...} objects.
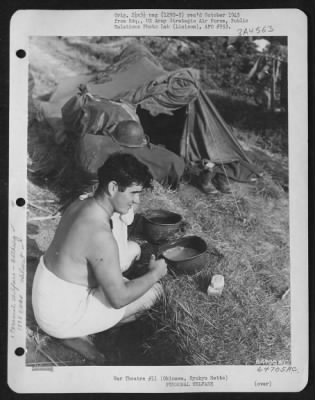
[{"x": 104, "y": 261}]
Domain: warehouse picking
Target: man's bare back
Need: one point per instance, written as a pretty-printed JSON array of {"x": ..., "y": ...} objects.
[{"x": 67, "y": 255}]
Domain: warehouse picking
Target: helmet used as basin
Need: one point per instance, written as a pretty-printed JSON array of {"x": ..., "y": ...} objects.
[
  {"x": 186, "y": 255},
  {"x": 159, "y": 225}
]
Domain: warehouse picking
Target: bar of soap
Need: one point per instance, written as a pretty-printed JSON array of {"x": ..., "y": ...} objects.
[
  {"x": 216, "y": 286},
  {"x": 217, "y": 282},
  {"x": 211, "y": 291}
]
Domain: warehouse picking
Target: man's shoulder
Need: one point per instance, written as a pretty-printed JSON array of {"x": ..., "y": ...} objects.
[
  {"x": 95, "y": 228},
  {"x": 101, "y": 243},
  {"x": 83, "y": 216}
]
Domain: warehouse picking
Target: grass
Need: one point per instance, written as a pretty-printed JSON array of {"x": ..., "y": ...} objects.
[
  {"x": 242, "y": 325},
  {"x": 247, "y": 233}
]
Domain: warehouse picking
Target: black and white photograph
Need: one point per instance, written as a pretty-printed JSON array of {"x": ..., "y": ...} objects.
[{"x": 162, "y": 214}]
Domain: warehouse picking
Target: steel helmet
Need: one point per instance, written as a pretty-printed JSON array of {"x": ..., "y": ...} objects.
[{"x": 130, "y": 134}]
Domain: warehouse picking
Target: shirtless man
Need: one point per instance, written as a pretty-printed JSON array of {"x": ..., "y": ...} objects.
[{"x": 78, "y": 287}]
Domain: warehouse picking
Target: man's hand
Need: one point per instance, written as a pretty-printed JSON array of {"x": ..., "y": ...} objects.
[{"x": 158, "y": 267}]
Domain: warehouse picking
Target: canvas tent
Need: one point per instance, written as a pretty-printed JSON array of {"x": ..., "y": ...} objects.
[{"x": 172, "y": 107}]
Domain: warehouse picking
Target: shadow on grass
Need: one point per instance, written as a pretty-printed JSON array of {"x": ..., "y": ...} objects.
[
  {"x": 153, "y": 339},
  {"x": 246, "y": 115},
  {"x": 277, "y": 170},
  {"x": 123, "y": 345},
  {"x": 271, "y": 127}
]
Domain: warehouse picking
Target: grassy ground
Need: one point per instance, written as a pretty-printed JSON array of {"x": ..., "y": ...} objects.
[{"x": 247, "y": 234}]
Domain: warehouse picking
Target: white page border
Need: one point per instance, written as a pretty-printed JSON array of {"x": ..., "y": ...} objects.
[{"x": 285, "y": 22}]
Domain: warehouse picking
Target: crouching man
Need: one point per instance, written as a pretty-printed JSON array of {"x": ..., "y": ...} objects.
[{"x": 78, "y": 287}]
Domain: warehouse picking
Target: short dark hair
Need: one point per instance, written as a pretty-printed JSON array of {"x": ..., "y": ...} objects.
[{"x": 125, "y": 169}]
